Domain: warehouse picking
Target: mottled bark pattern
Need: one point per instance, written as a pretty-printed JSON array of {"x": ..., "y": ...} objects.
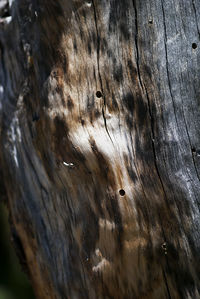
[{"x": 100, "y": 145}]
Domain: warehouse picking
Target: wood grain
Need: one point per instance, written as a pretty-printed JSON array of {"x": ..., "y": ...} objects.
[{"x": 100, "y": 145}]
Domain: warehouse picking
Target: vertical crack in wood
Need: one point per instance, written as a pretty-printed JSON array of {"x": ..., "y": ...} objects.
[
  {"x": 146, "y": 92},
  {"x": 148, "y": 101},
  {"x": 99, "y": 73},
  {"x": 195, "y": 13},
  {"x": 136, "y": 43},
  {"x": 144, "y": 88},
  {"x": 136, "y": 168},
  {"x": 166, "y": 284},
  {"x": 3, "y": 64},
  {"x": 167, "y": 62},
  {"x": 152, "y": 142},
  {"x": 188, "y": 135}
]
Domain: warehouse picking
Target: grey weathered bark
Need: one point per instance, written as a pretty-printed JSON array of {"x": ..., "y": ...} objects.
[{"x": 100, "y": 145}]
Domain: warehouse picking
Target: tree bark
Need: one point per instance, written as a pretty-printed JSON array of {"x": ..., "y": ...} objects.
[{"x": 100, "y": 150}]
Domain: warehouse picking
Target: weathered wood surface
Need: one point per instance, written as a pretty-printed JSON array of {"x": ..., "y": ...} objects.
[{"x": 100, "y": 145}]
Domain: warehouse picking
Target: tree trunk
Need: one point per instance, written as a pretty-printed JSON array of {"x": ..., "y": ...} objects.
[{"x": 100, "y": 145}]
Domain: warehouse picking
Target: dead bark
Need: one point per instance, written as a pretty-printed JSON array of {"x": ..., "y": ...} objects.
[{"x": 100, "y": 148}]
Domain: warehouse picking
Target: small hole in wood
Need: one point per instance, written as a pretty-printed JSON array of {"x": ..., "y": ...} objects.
[
  {"x": 122, "y": 192},
  {"x": 194, "y": 46},
  {"x": 150, "y": 21},
  {"x": 89, "y": 3},
  {"x": 36, "y": 117},
  {"x": 164, "y": 246},
  {"x": 193, "y": 150},
  {"x": 98, "y": 94}
]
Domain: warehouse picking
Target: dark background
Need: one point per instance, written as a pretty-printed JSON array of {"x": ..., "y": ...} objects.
[{"x": 13, "y": 282}]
